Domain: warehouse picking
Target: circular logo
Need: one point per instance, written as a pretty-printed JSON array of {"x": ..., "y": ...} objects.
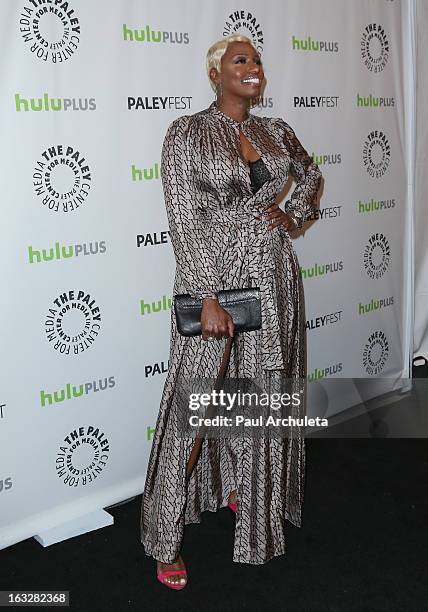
[
  {"x": 241, "y": 21},
  {"x": 375, "y": 353},
  {"x": 73, "y": 322},
  {"x": 62, "y": 179},
  {"x": 374, "y": 47},
  {"x": 82, "y": 456},
  {"x": 377, "y": 255},
  {"x": 376, "y": 154},
  {"x": 51, "y": 30}
]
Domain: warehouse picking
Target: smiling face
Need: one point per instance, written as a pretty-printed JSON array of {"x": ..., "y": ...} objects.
[{"x": 241, "y": 74}]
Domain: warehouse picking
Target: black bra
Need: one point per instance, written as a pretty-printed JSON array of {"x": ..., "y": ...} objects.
[{"x": 259, "y": 174}]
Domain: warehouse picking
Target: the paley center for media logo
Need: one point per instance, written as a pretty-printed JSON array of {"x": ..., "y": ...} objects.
[
  {"x": 73, "y": 322},
  {"x": 377, "y": 255},
  {"x": 50, "y": 29},
  {"x": 374, "y": 47},
  {"x": 375, "y": 353},
  {"x": 243, "y": 21},
  {"x": 62, "y": 178},
  {"x": 82, "y": 455},
  {"x": 376, "y": 153}
]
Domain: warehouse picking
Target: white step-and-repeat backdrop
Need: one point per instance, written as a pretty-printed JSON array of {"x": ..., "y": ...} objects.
[
  {"x": 421, "y": 183},
  {"x": 88, "y": 90}
]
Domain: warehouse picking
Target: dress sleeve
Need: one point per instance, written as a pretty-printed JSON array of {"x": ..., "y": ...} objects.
[
  {"x": 307, "y": 176},
  {"x": 194, "y": 258}
]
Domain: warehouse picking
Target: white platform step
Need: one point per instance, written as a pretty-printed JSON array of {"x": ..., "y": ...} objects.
[{"x": 76, "y": 527}]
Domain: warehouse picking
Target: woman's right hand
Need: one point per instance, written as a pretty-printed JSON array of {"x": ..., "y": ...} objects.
[{"x": 215, "y": 320}]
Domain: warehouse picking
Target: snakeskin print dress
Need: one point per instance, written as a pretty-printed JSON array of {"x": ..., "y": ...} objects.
[{"x": 221, "y": 240}]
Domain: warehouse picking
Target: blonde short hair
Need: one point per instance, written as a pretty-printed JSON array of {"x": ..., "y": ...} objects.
[{"x": 218, "y": 49}]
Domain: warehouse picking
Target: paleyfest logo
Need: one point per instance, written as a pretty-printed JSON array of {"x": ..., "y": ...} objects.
[
  {"x": 73, "y": 322},
  {"x": 62, "y": 178},
  {"x": 82, "y": 456},
  {"x": 374, "y": 47},
  {"x": 375, "y": 353},
  {"x": 376, "y": 154},
  {"x": 51, "y": 28},
  {"x": 244, "y": 22}
]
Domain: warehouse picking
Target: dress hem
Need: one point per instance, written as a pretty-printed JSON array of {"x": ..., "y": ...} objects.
[{"x": 148, "y": 548}]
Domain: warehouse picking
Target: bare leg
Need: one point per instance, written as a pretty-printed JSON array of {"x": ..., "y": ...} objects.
[
  {"x": 232, "y": 497},
  {"x": 178, "y": 564},
  {"x": 196, "y": 449},
  {"x": 193, "y": 458}
]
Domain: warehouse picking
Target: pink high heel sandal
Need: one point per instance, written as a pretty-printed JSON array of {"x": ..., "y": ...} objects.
[{"x": 162, "y": 575}]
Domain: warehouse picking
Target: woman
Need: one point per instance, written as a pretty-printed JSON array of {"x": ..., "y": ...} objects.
[{"x": 222, "y": 170}]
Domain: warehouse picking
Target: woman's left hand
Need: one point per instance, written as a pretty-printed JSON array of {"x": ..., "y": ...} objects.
[{"x": 276, "y": 216}]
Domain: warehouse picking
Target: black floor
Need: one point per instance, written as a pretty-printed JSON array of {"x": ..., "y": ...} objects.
[{"x": 363, "y": 546}]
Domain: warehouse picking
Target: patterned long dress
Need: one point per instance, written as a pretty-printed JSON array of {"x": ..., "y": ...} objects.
[{"x": 221, "y": 241}]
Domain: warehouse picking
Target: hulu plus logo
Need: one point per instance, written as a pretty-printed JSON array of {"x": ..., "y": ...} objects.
[
  {"x": 374, "y": 102},
  {"x": 321, "y": 269},
  {"x": 145, "y": 174},
  {"x": 53, "y": 104},
  {"x": 148, "y": 35},
  {"x": 65, "y": 252},
  {"x": 70, "y": 392},
  {"x": 320, "y": 373},
  {"x": 375, "y": 304},
  {"x": 373, "y": 205},
  {"x": 309, "y": 44},
  {"x": 147, "y": 308},
  {"x": 327, "y": 158}
]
